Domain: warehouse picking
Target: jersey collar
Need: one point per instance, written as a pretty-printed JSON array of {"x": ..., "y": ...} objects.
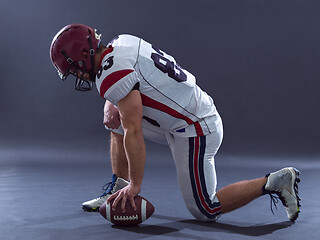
[{"x": 106, "y": 52}]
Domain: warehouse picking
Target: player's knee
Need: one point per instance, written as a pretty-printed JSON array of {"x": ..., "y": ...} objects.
[{"x": 202, "y": 217}]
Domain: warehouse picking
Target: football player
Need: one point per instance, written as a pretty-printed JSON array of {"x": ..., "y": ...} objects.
[{"x": 149, "y": 95}]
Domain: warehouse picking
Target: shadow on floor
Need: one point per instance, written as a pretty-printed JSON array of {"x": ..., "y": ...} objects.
[{"x": 177, "y": 225}]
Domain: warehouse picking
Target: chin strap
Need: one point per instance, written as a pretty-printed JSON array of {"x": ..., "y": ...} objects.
[{"x": 92, "y": 53}]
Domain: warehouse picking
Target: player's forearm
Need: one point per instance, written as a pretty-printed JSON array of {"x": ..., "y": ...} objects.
[{"x": 136, "y": 155}]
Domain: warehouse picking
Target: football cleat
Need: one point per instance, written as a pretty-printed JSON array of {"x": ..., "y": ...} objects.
[
  {"x": 284, "y": 183},
  {"x": 116, "y": 184}
]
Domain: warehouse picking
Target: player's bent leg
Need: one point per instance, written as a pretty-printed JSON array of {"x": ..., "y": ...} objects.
[
  {"x": 118, "y": 156},
  {"x": 116, "y": 184},
  {"x": 119, "y": 166},
  {"x": 194, "y": 160},
  {"x": 283, "y": 183},
  {"x": 240, "y": 193},
  {"x": 119, "y": 162}
]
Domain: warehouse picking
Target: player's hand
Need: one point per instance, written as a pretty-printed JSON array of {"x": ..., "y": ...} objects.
[
  {"x": 124, "y": 194},
  {"x": 111, "y": 117}
]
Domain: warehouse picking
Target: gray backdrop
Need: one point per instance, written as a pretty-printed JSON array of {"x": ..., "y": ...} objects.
[{"x": 258, "y": 59}]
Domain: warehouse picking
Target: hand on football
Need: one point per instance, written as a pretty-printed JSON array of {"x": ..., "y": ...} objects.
[
  {"x": 126, "y": 193},
  {"x": 111, "y": 117}
]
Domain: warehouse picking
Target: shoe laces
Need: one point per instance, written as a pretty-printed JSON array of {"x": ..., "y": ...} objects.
[
  {"x": 107, "y": 188},
  {"x": 274, "y": 199}
]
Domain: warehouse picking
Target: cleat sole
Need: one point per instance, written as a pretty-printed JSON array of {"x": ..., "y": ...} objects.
[
  {"x": 89, "y": 209},
  {"x": 296, "y": 181}
]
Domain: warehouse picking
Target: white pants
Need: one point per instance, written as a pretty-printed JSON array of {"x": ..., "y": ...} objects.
[{"x": 194, "y": 161}]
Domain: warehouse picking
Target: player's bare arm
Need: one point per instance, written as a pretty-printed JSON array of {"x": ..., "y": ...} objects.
[
  {"x": 130, "y": 109},
  {"x": 111, "y": 117}
]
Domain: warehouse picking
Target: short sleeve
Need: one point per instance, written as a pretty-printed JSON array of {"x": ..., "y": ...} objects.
[
  {"x": 116, "y": 78},
  {"x": 117, "y": 75},
  {"x": 122, "y": 87}
]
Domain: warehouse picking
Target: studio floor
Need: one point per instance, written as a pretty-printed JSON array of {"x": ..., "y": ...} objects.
[{"x": 41, "y": 191}]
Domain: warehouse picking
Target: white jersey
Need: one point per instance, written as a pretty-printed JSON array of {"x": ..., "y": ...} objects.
[{"x": 170, "y": 97}]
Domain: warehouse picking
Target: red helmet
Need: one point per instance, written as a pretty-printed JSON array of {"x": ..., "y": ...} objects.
[{"x": 66, "y": 53}]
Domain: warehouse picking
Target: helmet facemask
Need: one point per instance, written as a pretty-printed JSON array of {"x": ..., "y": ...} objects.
[{"x": 78, "y": 69}]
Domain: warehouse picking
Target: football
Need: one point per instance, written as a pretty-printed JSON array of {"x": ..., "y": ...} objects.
[{"x": 144, "y": 210}]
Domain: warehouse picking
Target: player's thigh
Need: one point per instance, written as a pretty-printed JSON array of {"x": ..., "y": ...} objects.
[
  {"x": 150, "y": 132},
  {"x": 153, "y": 133},
  {"x": 194, "y": 160}
]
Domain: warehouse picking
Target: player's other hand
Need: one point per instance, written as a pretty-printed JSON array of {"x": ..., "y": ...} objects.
[
  {"x": 111, "y": 117},
  {"x": 124, "y": 194}
]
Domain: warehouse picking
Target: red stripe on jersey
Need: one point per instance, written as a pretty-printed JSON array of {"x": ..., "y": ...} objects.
[
  {"x": 112, "y": 79},
  {"x": 198, "y": 129},
  {"x": 107, "y": 51},
  {"x": 149, "y": 102}
]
